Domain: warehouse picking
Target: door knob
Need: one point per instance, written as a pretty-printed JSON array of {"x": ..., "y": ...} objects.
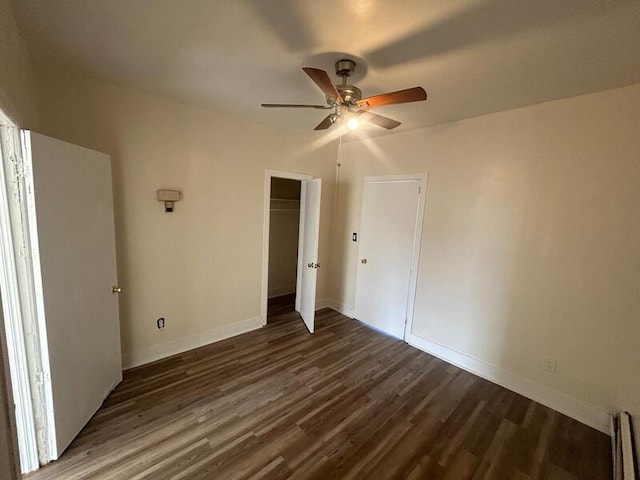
[
  {"x": 364, "y": 260},
  {"x": 116, "y": 289}
]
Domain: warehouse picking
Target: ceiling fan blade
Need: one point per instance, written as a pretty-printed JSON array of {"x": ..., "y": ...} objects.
[
  {"x": 321, "y": 78},
  {"x": 415, "y": 94},
  {"x": 294, "y": 105},
  {"x": 384, "y": 122},
  {"x": 326, "y": 123}
]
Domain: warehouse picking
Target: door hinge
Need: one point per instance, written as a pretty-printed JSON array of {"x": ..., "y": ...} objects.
[
  {"x": 20, "y": 168},
  {"x": 42, "y": 378}
]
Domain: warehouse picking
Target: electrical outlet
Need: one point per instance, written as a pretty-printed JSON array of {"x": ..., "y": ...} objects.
[
  {"x": 160, "y": 323},
  {"x": 550, "y": 365}
]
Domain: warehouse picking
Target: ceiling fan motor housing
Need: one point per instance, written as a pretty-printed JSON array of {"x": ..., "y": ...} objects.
[
  {"x": 349, "y": 93},
  {"x": 345, "y": 68}
]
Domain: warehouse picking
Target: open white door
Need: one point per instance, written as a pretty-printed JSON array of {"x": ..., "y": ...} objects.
[
  {"x": 308, "y": 255},
  {"x": 389, "y": 236},
  {"x": 71, "y": 225}
]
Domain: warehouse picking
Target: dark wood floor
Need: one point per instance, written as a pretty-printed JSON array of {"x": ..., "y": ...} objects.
[
  {"x": 345, "y": 402},
  {"x": 280, "y": 306}
]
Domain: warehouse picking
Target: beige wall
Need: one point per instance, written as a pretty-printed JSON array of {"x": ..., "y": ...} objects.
[
  {"x": 17, "y": 86},
  {"x": 199, "y": 267},
  {"x": 530, "y": 246}
]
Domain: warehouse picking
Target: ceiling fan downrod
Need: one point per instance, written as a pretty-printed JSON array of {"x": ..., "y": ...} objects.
[{"x": 349, "y": 93}]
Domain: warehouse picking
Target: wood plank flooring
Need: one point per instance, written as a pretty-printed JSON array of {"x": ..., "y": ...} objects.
[{"x": 345, "y": 402}]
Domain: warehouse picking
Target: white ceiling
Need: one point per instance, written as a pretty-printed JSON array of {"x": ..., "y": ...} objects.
[{"x": 472, "y": 57}]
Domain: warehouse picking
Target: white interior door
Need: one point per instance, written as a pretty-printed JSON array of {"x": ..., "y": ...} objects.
[
  {"x": 72, "y": 230},
  {"x": 308, "y": 255},
  {"x": 386, "y": 253}
]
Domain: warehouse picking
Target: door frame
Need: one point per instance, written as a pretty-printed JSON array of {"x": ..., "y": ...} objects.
[
  {"x": 18, "y": 303},
  {"x": 422, "y": 179},
  {"x": 47, "y": 430},
  {"x": 266, "y": 225}
]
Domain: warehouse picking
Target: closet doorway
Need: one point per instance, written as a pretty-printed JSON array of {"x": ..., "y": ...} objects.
[
  {"x": 284, "y": 233},
  {"x": 290, "y": 246}
]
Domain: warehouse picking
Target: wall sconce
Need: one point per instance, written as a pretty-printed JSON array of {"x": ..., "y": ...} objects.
[{"x": 168, "y": 197}]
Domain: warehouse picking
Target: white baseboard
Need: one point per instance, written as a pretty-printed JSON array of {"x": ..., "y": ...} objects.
[
  {"x": 322, "y": 303},
  {"x": 576, "y": 409},
  {"x": 335, "y": 305},
  {"x": 180, "y": 345},
  {"x": 279, "y": 291}
]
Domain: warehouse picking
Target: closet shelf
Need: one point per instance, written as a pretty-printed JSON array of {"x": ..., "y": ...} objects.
[{"x": 284, "y": 205}]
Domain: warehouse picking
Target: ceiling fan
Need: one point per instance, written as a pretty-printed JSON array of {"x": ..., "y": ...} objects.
[{"x": 346, "y": 100}]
